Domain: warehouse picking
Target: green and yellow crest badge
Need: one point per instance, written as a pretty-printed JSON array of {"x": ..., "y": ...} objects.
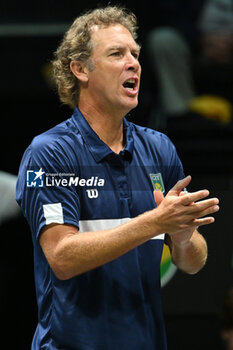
[{"x": 157, "y": 182}]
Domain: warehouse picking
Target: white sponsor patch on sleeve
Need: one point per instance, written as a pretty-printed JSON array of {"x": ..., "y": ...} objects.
[{"x": 53, "y": 213}]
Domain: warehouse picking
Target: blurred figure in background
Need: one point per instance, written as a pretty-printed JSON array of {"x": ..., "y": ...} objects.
[
  {"x": 16, "y": 256},
  {"x": 216, "y": 25},
  {"x": 226, "y": 319},
  {"x": 8, "y": 206},
  {"x": 205, "y": 36}
]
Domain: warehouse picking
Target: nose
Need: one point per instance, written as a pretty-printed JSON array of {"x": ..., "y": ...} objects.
[{"x": 132, "y": 63}]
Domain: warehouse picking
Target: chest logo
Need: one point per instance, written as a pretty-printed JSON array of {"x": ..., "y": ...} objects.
[
  {"x": 157, "y": 182},
  {"x": 92, "y": 193}
]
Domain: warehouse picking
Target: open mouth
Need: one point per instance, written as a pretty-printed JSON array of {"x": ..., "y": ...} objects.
[{"x": 130, "y": 84}]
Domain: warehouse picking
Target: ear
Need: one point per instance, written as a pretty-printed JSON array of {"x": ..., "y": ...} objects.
[{"x": 79, "y": 70}]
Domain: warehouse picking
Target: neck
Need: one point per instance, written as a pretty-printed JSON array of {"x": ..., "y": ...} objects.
[{"x": 108, "y": 127}]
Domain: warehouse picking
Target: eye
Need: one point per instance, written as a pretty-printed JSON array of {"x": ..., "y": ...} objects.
[
  {"x": 135, "y": 55},
  {"x": 115, "y": 53}
]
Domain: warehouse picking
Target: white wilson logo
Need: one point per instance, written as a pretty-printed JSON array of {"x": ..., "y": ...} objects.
[{"x": 93, "y": 193}]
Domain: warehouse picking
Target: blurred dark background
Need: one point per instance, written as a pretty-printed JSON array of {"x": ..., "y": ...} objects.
[{"x": 29, "y": 34}]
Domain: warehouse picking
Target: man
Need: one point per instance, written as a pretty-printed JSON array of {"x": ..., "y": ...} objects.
[{"x": 97, "y": 233}]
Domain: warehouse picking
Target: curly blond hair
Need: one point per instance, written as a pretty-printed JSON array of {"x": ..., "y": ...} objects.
[{"x": 77, "y": 46}]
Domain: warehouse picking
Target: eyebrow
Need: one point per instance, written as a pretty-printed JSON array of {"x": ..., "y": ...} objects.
[{"x": 137, "y": 48}]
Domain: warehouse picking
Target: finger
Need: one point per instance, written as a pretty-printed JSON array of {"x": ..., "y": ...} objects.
[
  {"x": 180, "y": 185},
  {"x": 203, "y": 205},
  {"x": 193, "y": 197},
  {"x": 201, "y": 213},
  {"x": 208, "y": 211},
  {"x": 158, "y": 196},
  {"x": 204, "y": 221}
]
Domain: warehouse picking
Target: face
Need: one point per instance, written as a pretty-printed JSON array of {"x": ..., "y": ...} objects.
[{"x": 113, "y": 84}]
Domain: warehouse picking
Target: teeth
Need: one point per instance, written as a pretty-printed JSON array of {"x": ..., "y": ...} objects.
[{"x": 129, "y": 84}]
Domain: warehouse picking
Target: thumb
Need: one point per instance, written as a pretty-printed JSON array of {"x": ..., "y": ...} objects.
[
  {"x": 180, "y": 185},
  {"x": 158, "y": 196}
]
